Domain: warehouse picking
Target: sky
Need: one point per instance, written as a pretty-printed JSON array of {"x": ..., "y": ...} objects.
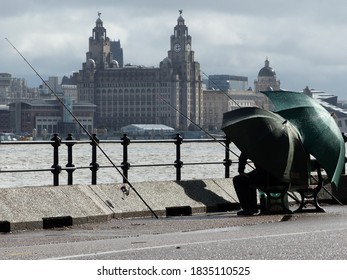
[{"x": 305, "y": 41}]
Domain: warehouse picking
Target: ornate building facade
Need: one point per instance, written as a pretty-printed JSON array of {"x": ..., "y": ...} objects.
[
  {"x": 169, "y": 94},
  {"x": 266, "y": 79}
]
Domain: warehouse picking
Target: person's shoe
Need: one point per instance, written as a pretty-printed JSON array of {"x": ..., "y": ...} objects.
[{"x": 247, "y": 212}]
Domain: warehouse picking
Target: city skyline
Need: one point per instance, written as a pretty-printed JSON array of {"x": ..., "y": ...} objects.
[{"x": 304, "y": 42}]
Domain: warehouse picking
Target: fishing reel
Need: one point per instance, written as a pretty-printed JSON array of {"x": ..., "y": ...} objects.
[{"x": 125, "y": 191}]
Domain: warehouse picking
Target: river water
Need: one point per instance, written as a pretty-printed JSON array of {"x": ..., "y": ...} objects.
[{"x": 40, "y": 156}]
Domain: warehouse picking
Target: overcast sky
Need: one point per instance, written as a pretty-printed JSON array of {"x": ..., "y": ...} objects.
[{"x": 305, "y": 41}]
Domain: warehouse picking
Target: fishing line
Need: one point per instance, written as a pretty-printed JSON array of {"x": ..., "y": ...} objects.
[
  {"x": 84, "y": 129},
  {"x": 201, "y": 128},
  {"x": 232, "y": 99},
  {"x": 221, "y": 90},
  {"x": 197, "y": 125}
]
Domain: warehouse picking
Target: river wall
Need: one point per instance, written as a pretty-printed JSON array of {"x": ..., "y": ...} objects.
[{"x": 29, "y": 208}]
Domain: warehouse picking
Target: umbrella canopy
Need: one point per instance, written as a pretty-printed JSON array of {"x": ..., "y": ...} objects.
[
  {"x": 320, "y": 134},
  {"x": 270, "y": 141}
]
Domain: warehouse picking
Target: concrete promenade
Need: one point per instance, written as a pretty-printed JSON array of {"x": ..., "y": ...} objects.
[{"x": 29, "y": 208}]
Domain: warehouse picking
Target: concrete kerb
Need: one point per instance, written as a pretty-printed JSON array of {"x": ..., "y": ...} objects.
[
  {"x": 29, "y": 207},
  {"x": 39, "y": 207}
]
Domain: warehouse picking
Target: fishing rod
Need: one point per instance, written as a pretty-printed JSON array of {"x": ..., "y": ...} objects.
[{"x": 84, "y": 129}]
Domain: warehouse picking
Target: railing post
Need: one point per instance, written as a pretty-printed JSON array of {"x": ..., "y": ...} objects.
[
  {"x": 178, "y": 162},
  {"x": 69, "y": 164},
  {"x": 56, "y": 167},
  {"x": 94, "y": 166},
  {"x": 227, "y": 161},
  {"x": 125, "y": 164}
]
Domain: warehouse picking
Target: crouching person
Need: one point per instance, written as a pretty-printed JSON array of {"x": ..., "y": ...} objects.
[{"x": 246, "y": 185}]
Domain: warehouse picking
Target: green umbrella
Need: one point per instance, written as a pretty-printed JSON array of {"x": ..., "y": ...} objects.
[
  {"x": 270, "y": 141},
  {"x": 320, "y": 134}
]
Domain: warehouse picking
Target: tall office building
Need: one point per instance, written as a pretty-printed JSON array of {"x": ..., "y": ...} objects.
[
  {"x": 169, "y": 94},
  {"x": 117, "y": 52},
  {"x": 227, "y": 82}
]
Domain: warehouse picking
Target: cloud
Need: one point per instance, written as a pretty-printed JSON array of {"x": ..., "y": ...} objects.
[{"x": 305, "y": 41}]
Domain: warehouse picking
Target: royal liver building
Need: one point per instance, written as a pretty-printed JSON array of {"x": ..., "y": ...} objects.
[{"x": 170, "y": 94}]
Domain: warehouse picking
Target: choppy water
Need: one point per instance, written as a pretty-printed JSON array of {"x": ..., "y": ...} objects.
[{"x": 40, "y": 156}]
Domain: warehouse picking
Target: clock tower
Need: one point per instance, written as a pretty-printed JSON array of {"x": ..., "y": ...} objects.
[
  {"x": 181, "y": 42},
  {"x": 187, "y": 71},
  {"x": 99, "y": 46}
]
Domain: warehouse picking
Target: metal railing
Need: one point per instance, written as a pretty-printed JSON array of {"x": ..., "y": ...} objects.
[{"x": 56, "y": 169}]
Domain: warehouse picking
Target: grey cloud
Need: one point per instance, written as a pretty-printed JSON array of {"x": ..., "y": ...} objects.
[{"x": 304, "y": 40}]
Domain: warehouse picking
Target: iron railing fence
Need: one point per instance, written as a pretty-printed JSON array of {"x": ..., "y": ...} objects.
[{"x": 56, "y": 169}]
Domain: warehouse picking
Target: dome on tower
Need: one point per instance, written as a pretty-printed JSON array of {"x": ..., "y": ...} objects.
[
  {"x": 167, "y": 62},
  {"x": 114, "y": 64},
  {"x": 91, "y": 63},
  {"x": 267, "y": 71}
]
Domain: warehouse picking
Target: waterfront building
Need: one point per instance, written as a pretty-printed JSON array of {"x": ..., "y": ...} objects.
[
  {"x": 229, "y": 92},
  {"x": 267, "y": 79},
  {"x": 12, "y": 88},
  {"x": 330, "y": 103},
  {"x": 52, "y": 84},
  {"x": 130, "y": 94},
  {"x": 4, "y": 119},
  {"x": 227, "y": 82},
  {"x": 117, "y": 52},
  {"x": 148, "y": 131},
  {"x": 215, "y": 105},
  {"x": 5, "y": 86},
  {"x": 47, "y": 116},
  {"x": 70, "y": 91},
  {"x": 217, "y": 102}
]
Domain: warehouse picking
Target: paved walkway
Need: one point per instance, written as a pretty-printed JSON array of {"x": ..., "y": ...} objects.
[{"x": 122, "y": 228}]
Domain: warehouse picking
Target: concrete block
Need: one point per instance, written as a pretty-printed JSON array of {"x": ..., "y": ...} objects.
[{"x": 47, "y": 206}]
